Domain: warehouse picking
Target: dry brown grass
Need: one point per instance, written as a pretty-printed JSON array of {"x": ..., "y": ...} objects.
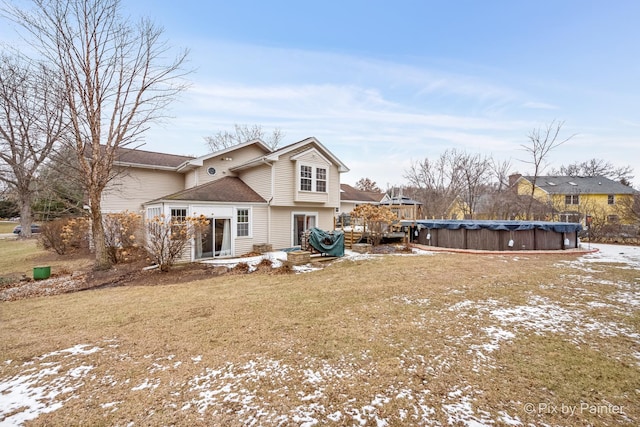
[
  {"x": 423, "y": 340},
  {"x": 18, "y": 257}
]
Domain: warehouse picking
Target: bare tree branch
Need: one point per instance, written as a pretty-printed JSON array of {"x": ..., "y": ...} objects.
[
  {"x": 32, "y": 122},
  {"x": 541, "y": 142},
  {"x": 117, "y": 79},
  {"x": 242, "y": 134}
]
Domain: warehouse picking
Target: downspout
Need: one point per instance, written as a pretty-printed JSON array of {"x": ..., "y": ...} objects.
[{"x": 270, "y": 200}]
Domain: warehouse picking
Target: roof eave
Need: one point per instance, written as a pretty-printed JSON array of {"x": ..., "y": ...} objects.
[{"x": 144, "y": 166}]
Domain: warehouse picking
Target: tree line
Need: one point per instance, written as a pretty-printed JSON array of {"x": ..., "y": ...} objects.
[{"x": 90, "y": 83}]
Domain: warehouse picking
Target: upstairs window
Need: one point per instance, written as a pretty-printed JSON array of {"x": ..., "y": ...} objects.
[
  {"x": 313, "y": 178},
  {"x": 572, "y": 199},
  {"x": 306, "y": 178},
  {"x": 321, "y": 180},
  {"x": 611, "y": 200}
]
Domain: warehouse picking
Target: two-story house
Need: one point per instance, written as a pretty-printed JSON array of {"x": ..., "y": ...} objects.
[
  {"x": 250, "y": 194},
  {"x": 572, "y": 198}
]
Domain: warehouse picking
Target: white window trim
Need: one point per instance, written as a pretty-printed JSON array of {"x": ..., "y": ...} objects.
[
  {"x": 185, "y": 208},
  {"x": 250, "y": 218},
  {"x": 153, "y": 211},
  {"x": 314, "y": 177},
  {"x": 314, "y": 214}
]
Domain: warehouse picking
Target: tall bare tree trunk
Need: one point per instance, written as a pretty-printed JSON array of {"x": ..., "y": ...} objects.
[
  {"x": 117, "y": 77},
  {"x": 102, "y": 260}
]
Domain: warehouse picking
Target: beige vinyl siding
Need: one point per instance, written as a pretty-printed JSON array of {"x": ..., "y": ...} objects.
[
  {"x": 259, "y": 230},
  {"x": 282, "y": 225},
  {"x": 221, "y": 167},
  {"x": 333, "y": 187},
  {"x": 190, "y": 179},
  {"x": 325, "y": 218},
  {"x": 285, "y": 183},
  {"x": 259, "y": 179},
  {"x": 135, "y": 186},
  {"x": 347, "y": 207},
  {"x": 281, "y": 228},
  {"x": 237, "y": 157},
  {"x": 288, "y": 180}
]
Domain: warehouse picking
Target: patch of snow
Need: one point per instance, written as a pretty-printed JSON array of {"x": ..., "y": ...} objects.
[
  {"x": 508, "y": 419},
  {"x": 616, "y": 254},
  {"x": 462, "y": 413},
  {"x": 409, "y": 301},
  {"x": 146, "y": 384}
]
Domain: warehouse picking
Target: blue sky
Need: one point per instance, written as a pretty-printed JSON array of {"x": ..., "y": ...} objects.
[{"x": 383, "y": 84}]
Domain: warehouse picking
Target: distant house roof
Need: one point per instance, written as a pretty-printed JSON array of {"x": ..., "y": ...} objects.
[
  {"x": 349, "y": 193},
  {"x": 399, "y": 201},
  {"x": 227, "y": 189},
  {"x": 580, "y": 184}
]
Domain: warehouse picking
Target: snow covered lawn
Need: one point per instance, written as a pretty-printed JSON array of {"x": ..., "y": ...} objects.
[{"x": 429, "y": 339}]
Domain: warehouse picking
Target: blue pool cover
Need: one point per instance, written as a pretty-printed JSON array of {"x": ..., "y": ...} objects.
[{"x": 497, "y": 225}]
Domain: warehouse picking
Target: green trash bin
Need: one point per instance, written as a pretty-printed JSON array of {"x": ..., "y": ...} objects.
[{"x": 40, "y": 273}]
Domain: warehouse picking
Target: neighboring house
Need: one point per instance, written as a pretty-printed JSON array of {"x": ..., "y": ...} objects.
[
  {"x": 572, "y": 198},
  {"x": 404, "y": 207},
  {"x": 351, "y": 198},
  {"x": 503, "y": 205},
  {"x": 251, "y": 195}
]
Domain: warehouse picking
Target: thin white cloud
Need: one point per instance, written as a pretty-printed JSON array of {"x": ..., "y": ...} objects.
[
  {"x": 540, "y": 106},
  {"x": 375, "y": 115}
]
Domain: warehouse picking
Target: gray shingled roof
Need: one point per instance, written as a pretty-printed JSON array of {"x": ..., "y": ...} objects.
[
  {"x": 580, "y": 184},
  {"x": 150, "y": 158},
  {"x": 350, "y": 193},
  {"x": 227, "y": 189}
]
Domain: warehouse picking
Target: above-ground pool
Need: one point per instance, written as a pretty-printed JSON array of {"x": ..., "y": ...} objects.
[{"x": 495, "y": 235}]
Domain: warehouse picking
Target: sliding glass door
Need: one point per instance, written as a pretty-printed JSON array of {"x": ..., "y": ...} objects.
[
  {"x": 215, "y": 239},
  {"x": 222, "y": 242}
]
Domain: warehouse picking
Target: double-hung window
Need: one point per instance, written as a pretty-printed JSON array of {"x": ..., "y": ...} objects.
[
  {"x": 313, "y": 178},
  {"x": 242, "y": 222},
  {"x": 572, "y": 199},
  {"x": 306, "y": 178},
  {"x": 611, "y": 199},
  {"x": 321, "y": 180},
  {"x": 178, "y": 220}
]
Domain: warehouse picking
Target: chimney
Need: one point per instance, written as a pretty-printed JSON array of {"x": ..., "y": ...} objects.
[{"x": 513, "y": 178}]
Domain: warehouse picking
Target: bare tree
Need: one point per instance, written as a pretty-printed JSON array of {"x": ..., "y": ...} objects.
[
  {"x": 501, "y": 171},
  {"x": 541, "y": 142},
  {"x": 241, "y": 134},
  {"x": 31, "y": 122},
  {"x": 597, "y": 167},
  {"x": 630, "y": 209},
  {"x": 437, "y": 182},
  {"x": 474, "y": 172},
  {"x": 117, "y": 80},
  {"x": 366, "y": 184}
]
